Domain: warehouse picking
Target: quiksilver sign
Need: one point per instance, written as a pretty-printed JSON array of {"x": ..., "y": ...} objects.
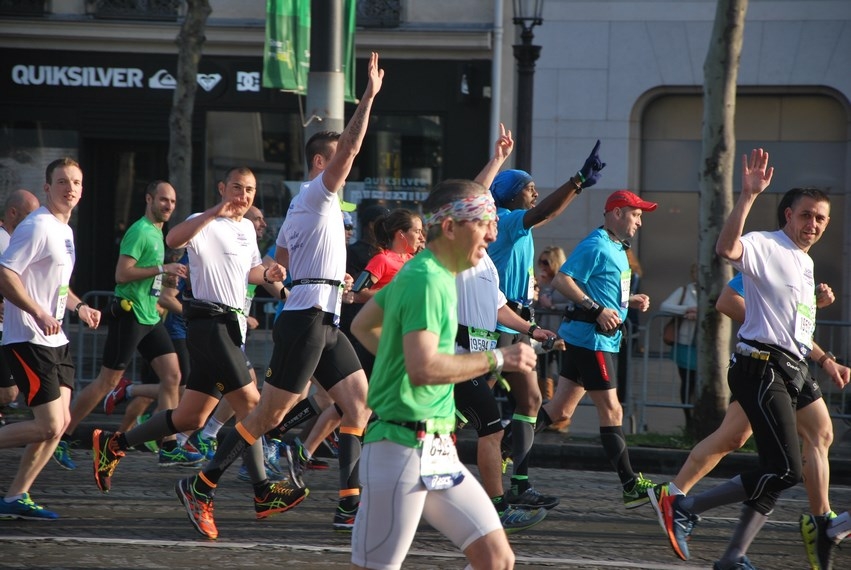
[
  {"x": 120, "y": 77},
  {"x": 74, "y": 76}
]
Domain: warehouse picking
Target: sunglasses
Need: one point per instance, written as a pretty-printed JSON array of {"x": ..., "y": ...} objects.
[
  {"x": 544, "y": 262},
  {"x": 349, "y": 228}
]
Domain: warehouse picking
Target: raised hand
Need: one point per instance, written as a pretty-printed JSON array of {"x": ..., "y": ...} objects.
[
  {"x": 589, "y": 174},
  {"x": 504, "y": 144},
  {"x": 756, "y": 174},
  {"x": 376, "y": 76}
]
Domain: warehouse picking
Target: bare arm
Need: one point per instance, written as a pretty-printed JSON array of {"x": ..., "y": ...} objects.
[
  {"x": 349, "y": 145},
  {"x": 169, "y": 301},
  {"x": 180, "y": 234},
  {"x": 127, "y": 271},
  {"x": 756, "y": 176},
  {"x": 608, "y": 319},
  {"x": 731, "y": 304},
  {"x": 426, "y": 366},
  {"x": 554, "y": 204}
]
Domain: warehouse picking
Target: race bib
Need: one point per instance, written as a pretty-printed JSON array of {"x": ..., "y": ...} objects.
[
  {"x": 626, "y": 277},
  {"x": 61, "y": 302},
  {"x": 482, "y": 340},
  {"x": 440, "y": 467},
  {"x": 530, "y": 288},
  {"x": 805, "y": 325},
  {"x": 157, "y": 285}
]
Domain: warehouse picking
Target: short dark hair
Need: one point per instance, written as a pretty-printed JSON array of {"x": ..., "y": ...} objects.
[
  {"x": 151, "y": 190},
  {"x": 320, "y": 143},
  {"x": 244, "y": 170},
  {"x": 792, "y": 197},
  {"x": 65, "y": 161}
]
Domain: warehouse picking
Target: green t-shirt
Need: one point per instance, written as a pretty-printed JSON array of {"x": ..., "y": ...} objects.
[
  {"x": 422, "y": 296},
  {"x": 143, "y": 241}
]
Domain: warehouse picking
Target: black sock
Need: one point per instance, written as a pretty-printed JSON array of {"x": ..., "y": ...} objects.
[
  {"x": 169, "y": 445},
  {"x": 614, "y": 444},
  {"x": 261, "y": 489}
]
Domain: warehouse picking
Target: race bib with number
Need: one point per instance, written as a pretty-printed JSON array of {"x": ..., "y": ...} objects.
[
  {"x": 61, "y": 303},
  {"x": 805, "y": 325},
  {"x": 482, "y": 340},
  {"x": 157, "y": 285},
  {"x": 626, "y": 278},
  {"x": 440, "y": 467}
]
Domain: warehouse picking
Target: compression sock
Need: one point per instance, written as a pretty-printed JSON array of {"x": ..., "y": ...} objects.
[
  {"x": 523, "y": 436},
  {"x": 614, "y": 444},
  {"x": 229, "y": 451}
]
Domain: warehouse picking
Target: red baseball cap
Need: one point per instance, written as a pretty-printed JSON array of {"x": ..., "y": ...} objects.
[{"x": 626, "y": 199}]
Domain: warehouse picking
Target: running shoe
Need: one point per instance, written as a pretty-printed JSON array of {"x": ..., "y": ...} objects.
[
  {"x": 198, "y": 506},
  {"x": 514, "y": 519},
  {"x": 679, "y": 524},
  {"x": 25, "y": 508},
  {"x": 742, "y": 564},
  {"x": 206, "y": 446},
  {"x": 272, "y": 460},
  {"x": 62, "y": 455},
  {"x": 345, "y": 520},
  {"x": 332, "y": 442},
  {"x": 116, "y": 395},
  {"x": 243, "y": 474},
  {"x": 279, "y": 498},
  {"x": 637, "y": 496},
  {"x": 531, "y": 498},
  {"x": 818, "y": 545},
  {"x": 840, "y": 527},
  {"x": 317, "y": 464},
  {"x": 655, "y": 494},
  {"x": 297, "y": 464},
  {"x": 179, "y": 456},
  {"x": 106, "y": 455}
]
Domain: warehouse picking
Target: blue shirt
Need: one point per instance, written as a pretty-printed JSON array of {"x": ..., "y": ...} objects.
[
  {"x": 513, "y": 253},
  {"x": 601, "y": 269},
  {"x": 737, "y": 284}
]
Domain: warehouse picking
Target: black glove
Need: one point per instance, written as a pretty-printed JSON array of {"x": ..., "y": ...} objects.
[{"x": 589, "y": 174}]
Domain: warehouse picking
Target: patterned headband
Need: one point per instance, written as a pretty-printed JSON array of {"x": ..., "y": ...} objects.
[{"x": 474, "y": 208}]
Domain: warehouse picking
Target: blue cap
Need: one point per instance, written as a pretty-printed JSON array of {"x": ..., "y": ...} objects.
[{"x": 508, "y": 184}]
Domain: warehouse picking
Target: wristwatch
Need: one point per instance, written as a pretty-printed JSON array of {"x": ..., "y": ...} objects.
[{"x": 532, "y": 328}]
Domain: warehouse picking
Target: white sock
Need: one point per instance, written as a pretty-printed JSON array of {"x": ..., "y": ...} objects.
[
  {"x": 181, "y": 439},
  {"x": 128, "y": 393},
  {"x": 674, "y": 490},
  {"x": 211, "y": 430}
]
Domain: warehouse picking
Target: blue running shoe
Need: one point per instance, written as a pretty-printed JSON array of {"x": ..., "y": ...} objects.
[
  {"x": 25, "y": 508},
  {"x": 272, "y": 460},
  {"x": 206, "y": 446},
  {"x": 62, "y": 455},
  {"x": 179, "y": 457},
  {"x": 679, "y": 524}
]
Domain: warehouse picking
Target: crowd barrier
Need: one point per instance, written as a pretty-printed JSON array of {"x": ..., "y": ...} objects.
[{"x": 649, "y": 377}]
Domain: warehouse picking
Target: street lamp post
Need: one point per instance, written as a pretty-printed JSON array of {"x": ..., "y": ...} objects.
[{"x": 527, "y": 15}]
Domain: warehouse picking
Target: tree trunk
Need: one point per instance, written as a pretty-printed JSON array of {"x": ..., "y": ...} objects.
[
  {"x": 190, "y": 42},
  {"x": 720, "y": 70}
]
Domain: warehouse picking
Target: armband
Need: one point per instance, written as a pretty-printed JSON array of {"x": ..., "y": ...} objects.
[
  {"x": 827, "y": 355},
  {"x": 591, "y": 306}
]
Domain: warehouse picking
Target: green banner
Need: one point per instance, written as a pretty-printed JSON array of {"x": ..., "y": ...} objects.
[{"x": 286, "y": 57}]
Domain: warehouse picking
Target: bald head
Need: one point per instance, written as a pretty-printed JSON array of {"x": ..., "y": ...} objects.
[
  {"x": 255, "y": 214},
  {"x": 18, "y": 206}
]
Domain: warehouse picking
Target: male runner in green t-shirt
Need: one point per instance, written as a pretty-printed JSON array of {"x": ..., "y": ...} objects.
[{"x": 135, "y": 324}]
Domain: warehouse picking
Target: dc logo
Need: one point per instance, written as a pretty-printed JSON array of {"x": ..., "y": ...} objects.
[{"x": 248, "y": 81}]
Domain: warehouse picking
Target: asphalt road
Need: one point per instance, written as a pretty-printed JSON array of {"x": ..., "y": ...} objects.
[{"x": 140, "y": 524}]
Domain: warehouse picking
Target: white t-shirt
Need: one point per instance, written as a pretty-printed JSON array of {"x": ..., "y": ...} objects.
[
  {"x": 315, "y": 238},
  {"x": 4, "y": 243},
  {"x": 780, "y": 292},
  {"x": 220, "y": 258},
  {"x": 479, "y": 297},
  {"x": 41, "y": 252}
]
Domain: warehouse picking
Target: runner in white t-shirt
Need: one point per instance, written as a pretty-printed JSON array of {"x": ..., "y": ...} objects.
[
  {"x": 35, "y": 272},
  {"x": 311, "y": 244}
]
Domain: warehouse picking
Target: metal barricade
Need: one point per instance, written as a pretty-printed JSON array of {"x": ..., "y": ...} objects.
[{"x": 833, "y": 336}]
